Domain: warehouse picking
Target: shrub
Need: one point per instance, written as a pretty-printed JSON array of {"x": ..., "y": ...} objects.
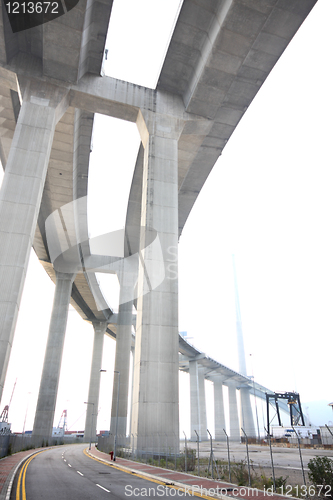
[
  {"x": 190, "y": 459},
  {"x": 240, "y": 472},
  {"x": 321, "y": 475},
  {"x": 280, "y": 482}
]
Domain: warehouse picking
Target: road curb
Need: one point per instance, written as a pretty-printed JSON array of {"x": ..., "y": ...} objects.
[
  {"x": 7, "y": 487},
  {"x": 155, "y": 477},
  {"x": 177, "y": 484}
]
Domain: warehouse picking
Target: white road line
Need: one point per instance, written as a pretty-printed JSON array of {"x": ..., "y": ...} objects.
[
  {"x": 108, "y": 491},
  {"x": 65, "y": 460},
  {"x": 79, "y": 473},
  {"x": 69, "y": 465}
]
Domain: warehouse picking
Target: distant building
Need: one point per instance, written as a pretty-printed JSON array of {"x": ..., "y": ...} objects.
[{"x": 4, "y": 428}]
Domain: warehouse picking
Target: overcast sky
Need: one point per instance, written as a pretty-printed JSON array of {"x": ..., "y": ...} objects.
[{"x": 268, "y": 200}]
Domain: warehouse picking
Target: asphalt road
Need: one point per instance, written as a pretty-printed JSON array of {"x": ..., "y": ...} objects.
[{"x": 66, "y": 473}]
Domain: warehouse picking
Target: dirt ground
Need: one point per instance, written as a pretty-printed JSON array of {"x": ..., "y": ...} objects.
[
  {"x": 294, "y": 476},
  {"x": 287, "y": 462}
]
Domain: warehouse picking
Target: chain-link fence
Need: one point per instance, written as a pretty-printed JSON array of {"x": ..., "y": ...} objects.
[{"x": 155, "y": 449}]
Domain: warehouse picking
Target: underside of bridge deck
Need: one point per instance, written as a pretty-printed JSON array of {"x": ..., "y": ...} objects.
[{"x": 219, "y": 56}]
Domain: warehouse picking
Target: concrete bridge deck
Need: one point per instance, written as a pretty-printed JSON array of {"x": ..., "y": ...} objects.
[{"x": 220, "y": 54}]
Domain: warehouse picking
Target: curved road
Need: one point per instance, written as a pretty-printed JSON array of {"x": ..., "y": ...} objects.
[{"x": 67, "y": 473}]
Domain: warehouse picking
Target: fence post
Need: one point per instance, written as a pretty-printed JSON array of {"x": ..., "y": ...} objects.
[
  {"x": 167, "y": 451},
  {"x": 271, "y": 453},
  {"x": 185, "y": 452},
  {"x": 198, "y": 452},
  {"x": 211, "y": 454},
  {"x": 146, "y": 449},
  {"x": 153, "y": 451},
  {"x": 228, "y": 454},
  {"x": 300, "y": 455},
  {"x": 248, "y": 460}
]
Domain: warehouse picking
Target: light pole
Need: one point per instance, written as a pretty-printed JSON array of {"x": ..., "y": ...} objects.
[
  {"x": 26, "y": 413},
  {"x": 255, "y": 400},
  {"x": 115, "y": 437},
  {"x": 92, "y": 421}
]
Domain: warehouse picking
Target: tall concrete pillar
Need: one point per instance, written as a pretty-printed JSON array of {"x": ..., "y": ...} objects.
[
  {"x": 20, "y": 197},
  {"x": 48, "y": 389},
  {"x": 194, "y": 400},
  {"x": 119, "y": 408},
  {"x": 95, "y": 378},
  {"x": 155, "y": 397},
  {"x": 246, "y": 412},
  {"x": 233, "y": 413},
  {"x": 218, "y": 409},
  {"x": 202, "y": 404}
]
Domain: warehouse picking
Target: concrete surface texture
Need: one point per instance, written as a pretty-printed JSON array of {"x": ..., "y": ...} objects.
[
  {"x": 20, "y": 198},
  {"x": 219, "y": 416},
  {"x": 202, "y": 404},
  {"x": 155, "y": 391},
  {"x": 194, "y": 400},
  {"x": 119, "y": 409},
  {"x": 233, "y": 413},
  {"x": 48, "y": 389},
  {"x": 247, "y": 421},
  {"x": 219, "y": 55},
  {"x": 94, "y": 383}
]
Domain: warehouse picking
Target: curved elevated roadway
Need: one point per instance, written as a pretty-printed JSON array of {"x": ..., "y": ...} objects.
[{"x": 219, "y": 56}]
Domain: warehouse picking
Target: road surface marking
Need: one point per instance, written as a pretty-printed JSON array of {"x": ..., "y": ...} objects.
[
  {"x": 79, "y": 473},
  {"x": 108, "y": 491},
  {"x": 147, "y": 478},
  {"x": 21, "y": 480}
]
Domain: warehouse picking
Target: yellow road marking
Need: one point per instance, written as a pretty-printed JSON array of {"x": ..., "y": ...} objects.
[
  {"x": 147, "y": 478},
  {"x": 21, "y": 479}
]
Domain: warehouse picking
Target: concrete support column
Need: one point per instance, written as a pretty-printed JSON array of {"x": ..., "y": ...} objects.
[
  {"x": 95, "y": 378},
  {"x": 219, "y": 409},
  {"x": 194, "y": 400},
  {"x": 155, "y": 397},
  {"x": 119, "y": 408},
  {"x": 246, "y": 412},
  {"x": 233, "y": 413},
  {"x": 202, "y": 404},
  {"x": 20, "y": 197},
  {"x": 53, "y": 355}
]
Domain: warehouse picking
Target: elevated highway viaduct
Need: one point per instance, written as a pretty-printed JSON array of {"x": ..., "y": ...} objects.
[{"x": 219, "y": 56}]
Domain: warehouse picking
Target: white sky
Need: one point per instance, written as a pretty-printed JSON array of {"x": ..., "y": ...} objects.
[{"x": 268, "y": 200}]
